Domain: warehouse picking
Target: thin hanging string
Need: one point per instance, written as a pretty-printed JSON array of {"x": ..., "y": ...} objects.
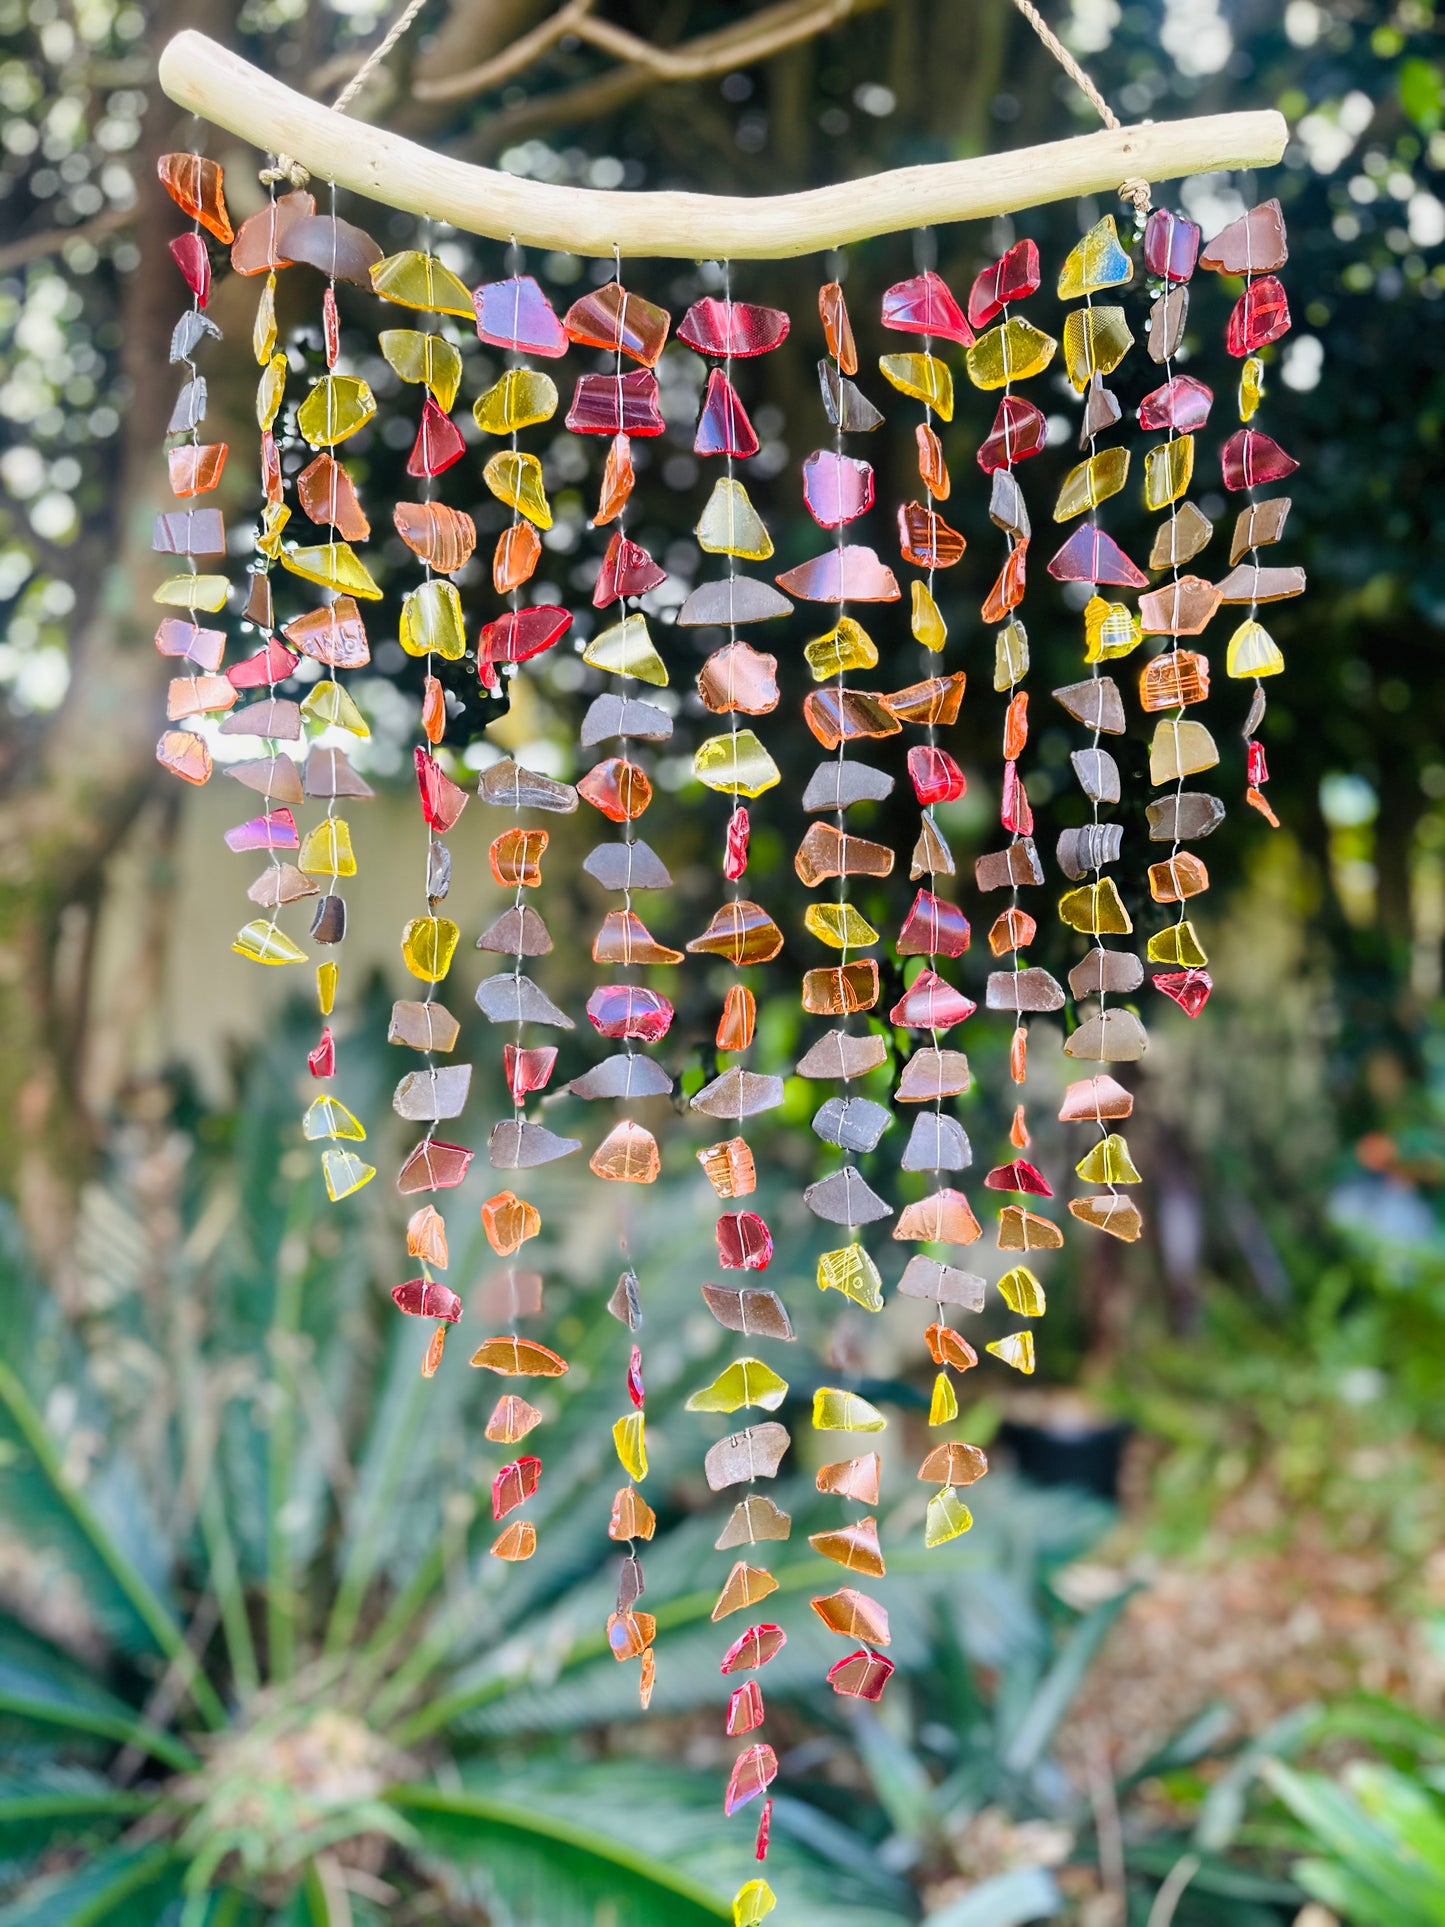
[
  {"x": 1134, "y": 190},
  {"x": 285, "y": 168}
]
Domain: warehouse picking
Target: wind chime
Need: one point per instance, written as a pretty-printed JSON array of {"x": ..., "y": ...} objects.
[{"x": 1112, "y": 287}]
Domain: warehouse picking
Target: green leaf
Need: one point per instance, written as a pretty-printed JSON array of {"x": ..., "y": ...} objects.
[
  {"x": 1007, "y": 1900},
  {"x": 40, "y": 1686},
  {"x": 1024, "y": 1748},
  {"x": 1370, "y": 1853},
  {"x": 119, "y": 1887},
  {"x": 1422, "y": 93}
]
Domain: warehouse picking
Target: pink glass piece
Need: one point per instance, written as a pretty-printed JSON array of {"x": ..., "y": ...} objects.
[
  {"x": 522, "y": 633},
  {"x": 627, "y": 569},
  {"x": 723, "y": 427},
  {"x": 765, "y": 1831},
  {"x": 442, "y": 800},
  {"x": 274, "y": 831},
  {"x": 629, "y": 1010},
  {"x": 1091, "y": 555},
  {"x": 931, "y": 1004},
  {"x": 735, "y": 862},
  {"x": 1019, "y": 1176},
  {"x": 1014, "y": 812},
  {"x": 1011, "y": 278},
  {"x": 935, "y": 776},
  {"x": 849, "y": 574},
  {"x": 738, "y": 328},
  {"x": 753, "y": 1772},
  {"x": 516, "y": 314},
  {"x": 1019, "y": 430},
  {"x": 427, "y": 1298},
  {"x": 836, "y": 488},
  {"x": 272, "y": 664},
  {"x": 514, "y": 1485},
  {"x": 1182, "y": 403},
  {"x": 1249, "y": 459},
  {"x": 923, "y": 305},
  {"x": 933, "y": 928},
  {"x": 745, "y": 1708},
  {"x": 616, "y": 405},
  {"x": 188, "y": 251},
  {"x": 634, "y": 1378},
  {"x": 753, "y": 1648},
  {"x": 1189, "y": 988},
  {"x": 1256, "y": 768},
  {"x": 433, "y": 1166},
  {"x": 1171, "y": 245},
  {"x": 744, "y": 1242},
  {"x": 438, "y": 442},
  {"x": 527, "y": 1069},
  {"x": 321, "y": 1062},
  {"x": 1260, "y": 315},
  {"x": 861, "y": 1676}
]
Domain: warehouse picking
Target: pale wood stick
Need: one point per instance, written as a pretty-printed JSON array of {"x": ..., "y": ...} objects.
[{"x": 200, "y": 75}]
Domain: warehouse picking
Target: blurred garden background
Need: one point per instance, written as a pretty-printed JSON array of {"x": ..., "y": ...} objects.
[{"x": 255, "y": 1662}]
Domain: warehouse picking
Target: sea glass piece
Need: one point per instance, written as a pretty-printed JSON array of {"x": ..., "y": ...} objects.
[
  {"x": 1091, "y": 482},
  {"x": 862, "y": 1675},
  {"x": 1174, "y": 680},
  {"x": 516, "y": 637},
  {"x": 514, "y": 1485},
  {"x": 845, "y": 1197},
  {"x": 1252, "y": 244},
  {"x": 1095, "y": 909},
  {"x": 1098, "y": 261},
  {"x": 936, "y": 1143},
  {"x": 515, "y": 478},
  {"x": 1019, "y": 430},
  {"x": 1183, "y": 607},
  {"x": 1251, "y": 651},
  {"x": 432, "y": 361},
  {"x": 932, "y": 468},
  {"x": 1013, "y": 277},
  {"x": 627, "y": 866},
  {"x": 610, "y": 715},
  {"x": 618, "y": 788},
  {"x": 1182, "y": 404},
  {"x": 1190, "y": 989},
  {"x": 1017, "y": 1349},
  {"x": 944, "y": 1218},
  {"x": 344, "y": 1173},
  {"x": 1167, "y": 317},
  {"x": 1092, "y": 555},
  {"x": 509, "y": 1221},
  {"x": 744, "y": 1586},
  {"x": 935, "y": 775},
  {"x": 1179, "y": 749},
  {"x": 520, "y": 398},
  {"x": 189, "y": 532},
  {"x": 747, "y": 1381},
  {"x": 842, "y": 926},
  {"x": 1114, "y": 973},
  {"x": 754, "y": 1453},
  {"x": 630, "y": 1634},
  {"x": 1032, "y": 990},
  {"x": 336, "y": 407},
  {"x": 188, "y": 251},
  {"x": 933, "y": 927},
  {"x": 925, "y": 539},
  {"x": 629, "y": 1436},
  {"x": 1181, "y": 538},
  {"x": 736, "y": 765},
  {"x": 184, "y": 755},
  {"x": 827, "y": 851},
  {"x": 1022, "y": 1292},
  {"x": 1096, "y": 340},
  {"x": 442, "y": 800},
  {"x": 730, "y": 525},
  {"x": 1118, "y": 1216},
  {"x": 428, "y": 945},
  {"x": 1093, "y": 846},
  {"x": 625, "y": 939},
  {"x": 622, "y": 1075},
  {"x": 1020, "y": 1230},
  {"x": 1251, "y": 387},
  {"x": 612, "y": 318},
  {"x": 627, "y": 570},
  {"x": 515, "y": 858},
  {"x": 1258, "y": 525},
  {"x": 847, "y": 407},
  {"x": 951, "y": 1348},
  {"x": 930, "y": 1003},
  {"x": 620, "y": 406},
  {"x": 208, "y": 695},
  {"x": 753, "y": 1772},
  {"x": 193, "y": 592},
  {"x": 924, "y": 305},
  {"x": 836, "y": 1410},
  {"x": 1261, "y": 315},
  {"x": 442, "y": 537},
  {"x": 1107, "y": 1162},
  {"x": 932, "y": 1074},
  {"x": 841, "y": 1054},
  {"x": 836, "y": 488},
  {"x": 756, "y": 1313},
  {"x": 732, "y": 329},
  {"x": 1184, "y": 818},
  {"x": 838, "y": 715},
  {"x": 193, "y": 328},
  {"x": 942, "y": 1284},
  {"x": 741, "y": 931},
  {"x": 739, "y": 1093},
  {"x": 1183, "y": 876},
  {"x": 947, "y": 1517},
  {"x": 1171, "y": 245},
  {"x": 1110, "y": 1037},
  {"x": 513, "y": 1357},
  {"x": 197, "y": 186},
  {"x": 841, "y": 991},
  {"x": 516, "y": 314},
  {"x": 195, "y": 468},
  {"x": 853, "y": 1615},
  {"x": 1250, "y": 459},
  {"x": 923, "y": 377},
  {"x": 846, "y": 646},
  {"x": 839, "y": 783},
  {"x": 854, "y": 1547},
  {"x": 744, "y": 1242},
  {"x": 1014, "y": 351},
  {"x": 338, "y": 249},
  {"x": 837, "y": 329},
  {"x": 328, "y": 495},
  {"x": 723, "y": 427},
  {"x": 729, "y": 1169},
  {"x": 1177, "y": 944}
]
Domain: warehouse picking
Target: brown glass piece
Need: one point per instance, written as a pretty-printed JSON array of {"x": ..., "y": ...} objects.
[
  {"x": 931, "y": 855},
  {"x": 1114, "y": 972},
  {"x": 755, "y": 1312},
  {"x": 1250, "y": 583},
  {"x": 1180, "y": 537},
  {"x": 1101, "y": 410},
  {"x": 1095, "y": 703},
  {"x": 930, "y": 1075},
  {"x": 1179, "y": 608},
  {"x": 847, "y": 715},
  {"x": 1182, "y": 876},
  {"x": 826, "y": 851},
  {"x": 741, "y": 931},
  {"x": 1167, "y": 318},
  {"x": 1016, "y": 867},
  {"x": 260, "y": 243},
  {"x": 1258, "y": 525},
  {"x": 841, "y": 990},
  {"x": 935, "y": 701},
  {"x": 842, "y": 1055}
]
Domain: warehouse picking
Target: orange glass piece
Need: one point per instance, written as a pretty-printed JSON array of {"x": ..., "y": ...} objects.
[
  {"x": 1182, "y": 876},
  {"x": 854, "y": 1615},
  {"x": 625, "y": 939},
  {"x": 433, "y": 710},
  {"x": 1174, "y": 680},
  {"x": 627, "y": 1155},
  {"x": 944, "y": 1218},
  {"x": 1018, "y": 1131},
  {"x": 948, "y": 1347},
  {"x": 744, "y": 1586},
  {"x": 926, "y": 540},
  {"x": 932, "y": 468},
  {"x": 518, "y": 551},
  {"x": 855, "y": 1547},
  {"x": 1013, "y": 930},
  {"x": 328, "y": 495},
  {"x": 954, "y": 1463},
  {"x": 842, "y": 990},
  {"x": 442, "y": 536},
  {"x": 852, "y": 1478},
  {"x": 516, "y": 858},
  {"x": 512, "y": 1419},
  {"x": 195, "y": 467},
  {"x": 619, "y": 789},
  {"x": 1016, "y": 727},
  {"x": 426, "y": 1236},
  {"x": 197, "y": 186},
  {"x": 518, "y": 1358},
  {"x": 632, "y": 1517},
  {"x": 729, "y": 1168},
  {"x": 743, "y": 932},
  {"x": 509, "y": 1221},
  {"x": 630, "y": 1634},
  {"x": 934, "y": 701},
  {"x": 436, "y": 1345},
  {"x": 1008, "y": 591},
  {"x": 184, "y": 755},
  {"x": 837, "y": 328},
  {"x": 1018, "y": 1055},
  {"x": 826, "y": 851},
  {"x": 1093, "y": 1099},
  {"x": 847, "y": 715},
  {"x": 617, "y": 480},
  {"x": 517, "y": 1542},
  {"x": 739, "y": 1015}
]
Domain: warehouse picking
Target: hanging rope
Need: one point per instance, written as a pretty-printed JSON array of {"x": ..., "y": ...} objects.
[
  {"x": 1134, "y": 191},
  {"x": 286, "y": 169}
]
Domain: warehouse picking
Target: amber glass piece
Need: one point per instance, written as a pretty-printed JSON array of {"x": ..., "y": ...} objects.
[
  {"x": 826, "y": 851},
  {"x": 744, "y": 1586},
  {"x": 741, "y": 931},
  {"x": 625, "y": 939},
  {"x": 328, "y": 495},
  {"x": 926, "y": 540},
  {"x": 518, "y": 1358},
  {"x": 1182, "y": 876},
  {"x": 516, "y": 858},
  {"x": 196, "y": 185},
  {"x": 1008, "y": 589},
  {"x": 739, "y": 1015},
  {"x": 729, "y": 1167},
  {"x": 855, "y": 1547},
  {"x": 1118, "y": 1216},
  {"x": 847, "y": 715},
  {"x": 509, "y": 1221},
  {"x": 619, "y": 789},
  {"x": 948, "y": 1347},
  {"x": 632, "y": 1516},
  {"x": 936, "y": 701},
  {"x": 617, "y": 481},
  {"x": 443, "y": 537},
  {"x": 837, "y": 329},
  {"x": 627, "y": 1155},
  {"x": 841, "y": 990}
]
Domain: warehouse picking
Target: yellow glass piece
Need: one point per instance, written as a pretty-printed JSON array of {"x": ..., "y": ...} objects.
[
  {"x": 336, "y": 407},
  {"x": 335, "y": 565},
  {"x": 326, "y": 849},
  {"x": 1010, "y": 656},
  {"x": 730, "y": 525},
  {"x": 327, "y": 976},
  {"x": 1108, "y": 1162},
  {"x": 427, "y": 358},
  {"x": 1251, "y": 387},
  {"x": 416, "y": 280},
  {"x": 842, "y": 926},
  {"x": 1179, "y": 945},
  {"x": 329, "y": 1117},
  {"x": 428, "y": 945},
  {"x": 948, "y": 1517},
  {"x": 753, "y": 1903},
  {"x": 432, "y": 623},
  {"x": 1013, "y": 351},
  {"x": 1168, "y": 471},
  {"x": 516, "y": 479},
  {"x": 1098, "y": 261},
  {"x": 1110, "y": 630},
  {"x": 520, "y": 399},
  {"x": 1252, "y": 651},
  {"x": 839, "y": 1411},
  {"x": 263, "y": 328},
  {"x": 847, "y": 645},
  {"x": 1096, "y": 909},
  {"x": 747, "y": 1381},
  {"x": 1092, "y": 482},
  {"x": 627, "y": 649},
  {"x": 1096, "y": 340},
  {"x": 269, "y": 391},
  {"x": 1022, "y": 1292},
  {"x": 327, "y": 705},
  {"x": 263, "y": 943},
  {"x": 924, "y": 377},
  {"x": 344, "y": 1173},
  {"x": 943, "y": 1406},
  {"x": 926, "y": 623},
  {"x": 737, "y": 765},
  {"x": 272, "y": 523},
  {"x": 1179, "y": 749},
  {"x": 629, "y": 1435},
  {"x": 1016, "y": 1350},
  {"x": 194, "y": 592},
  {"x": 851, "y": 1271}
]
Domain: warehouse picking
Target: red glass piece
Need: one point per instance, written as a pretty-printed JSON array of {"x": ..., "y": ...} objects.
[
  {"x": 1012, "y": 277},
  {"x": 427, "y": 1298},
  {"x": 723, "y": 427},
  {"x": 836, "y": 488},
  {"x": 744, "y": 1242},
  {"x": 1182, "y": 403},
  {"x": 1249, "y": 459},
  {"x": 753, "y": 1772},
  {"x": 923, "y": 305},
  {"x": 1019, "y": 430},
  {"x": 268, "y": 666},
  {"x": 861, "y": 1676},
  {"x": 433, "y": 1166},
  {"x": 755, "y": 1647},
  {"x": 1189, "y": 988},
  {"x": 276, "y": 830},
  {"x": 745, "y": 1708},
  {"x": 612, "y": 318},
  {"x": 934, "y": 927},
  {"x": 852, "y": 573},
  {"x": 188, "y": 251},
  {"x": 1260, "y": 315},
  {"x": 616, "y": 405},
  {"x": 330, "y": 327},
  {"x": 1256, "y": 768},
  {"x": 925, "y": 539},
  {"x": 1014, "y": 812},
  {"x": 516, "y": 314},
  {"x": 438, "y": 442},
  {"x": 442, "y": 800},
  {"x": 935, "y": 776},
  {"x": 616, "y": 787},
  {"x": 522, "y": 633},
  {"x": 1171, "y": 245},
  {"x": 634, "y": 1378},
  {"x": 735, "y": 861},
  {"x": 629, "y": 1010},
  {"x": 1091, "y": 555},
  {"x": 527, "y": 1069},
  {"x": 929, "y": 1003},
  {"x": 627, "y": 569},
  {"x": 321, "y": 1062},
  {"x": 837, "y": 328},
  {"x": 737, "y": 328},
  {"x": 514, "y": 1485},
  {"x": 765, "y": 1831},
  {"x": 1019, "y": 1176}
]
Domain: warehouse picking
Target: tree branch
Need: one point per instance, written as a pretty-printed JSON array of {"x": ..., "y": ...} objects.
[{"x": 34, "y": 247}]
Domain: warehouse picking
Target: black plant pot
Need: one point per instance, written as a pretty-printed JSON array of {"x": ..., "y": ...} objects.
[{"x": 1068, "y": 1452}]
